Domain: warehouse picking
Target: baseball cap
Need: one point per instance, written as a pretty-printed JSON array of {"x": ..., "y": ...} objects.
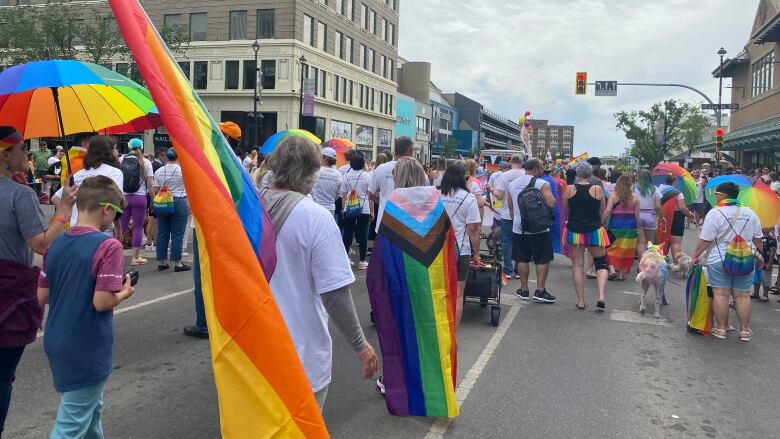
[
  {"x": 503, "y": 165},
  {"x": 594, "y": 161},
  {"x": 135, "y": 143},
  {"x": 329, "y": 152}
]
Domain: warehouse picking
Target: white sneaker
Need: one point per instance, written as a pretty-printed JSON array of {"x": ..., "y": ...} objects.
[
  {"x": 185, "y": 255},
  {"x": 362, "y": 265},
  {"x": 380, "y": 385},
  {"x": 149, "y": 248}
]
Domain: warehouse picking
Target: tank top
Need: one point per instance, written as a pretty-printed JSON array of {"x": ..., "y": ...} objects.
[{"x": 583, "y": 210}]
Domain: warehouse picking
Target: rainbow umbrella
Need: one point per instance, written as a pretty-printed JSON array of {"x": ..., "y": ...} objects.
[
  {"x": 341, "y": 146},
  {"x": 762, "y": 200},
  {"x": 59, "y": 97},
  {"x": 149, "y": 121},
  {"x": 270, "y": 145},
  {"x": 685, "y": 182},
  {"x": 740, "y": 180}
]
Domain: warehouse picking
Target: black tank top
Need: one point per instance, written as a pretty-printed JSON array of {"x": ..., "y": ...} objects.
[{"x": 583, "y": 210}]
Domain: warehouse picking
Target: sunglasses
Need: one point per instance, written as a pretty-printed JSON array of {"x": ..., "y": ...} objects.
[{"x": 118, "y": 210}]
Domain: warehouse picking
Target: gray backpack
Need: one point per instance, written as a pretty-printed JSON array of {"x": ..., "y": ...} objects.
[{"x": 535, "y": 214}]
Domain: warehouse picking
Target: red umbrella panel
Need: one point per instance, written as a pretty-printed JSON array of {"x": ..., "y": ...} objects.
[{"x": 341, "y": 146}]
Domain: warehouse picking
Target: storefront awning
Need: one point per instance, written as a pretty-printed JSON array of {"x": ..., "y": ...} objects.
[{"x": 763, "y": 135}]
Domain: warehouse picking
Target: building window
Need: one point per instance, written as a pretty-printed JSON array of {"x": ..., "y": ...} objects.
[
  {"x": 199, "y": 25},
  {"x": 340, "y": 6},
  {"x": 336, "y": 85},
  {"x": 422, "y": 125},
  {"x": 171, "y": 20},
  {"x": 122, "y": 68},
  {"x": 350, "y": 87},
  {"x": 268, "y": 72},
  {"x": 322, "y": 36},
  {"x": 250, "y": 74},
  {"x": 392, "y": 34},
  {"x": 384, "y": 29},
  {"x": 231, "y": 75},
  {"x": 200, "y": 77},
  {"x": 383, "y": 65},
  {"x": 762, "y": 74},
  {"x": 237, "y": 25},
  {"x": 391, "y": 76},
  {"x": 350, "y": 9},
  {"x": 349, "y": 49},
  {"x": 265, "y": 23},
  {"x": 371, "y": 59},
  {"x": 363, "y": 56},
  {"x": 364, "y": 16},
  {"x": 323, "y": 84},
  {"x": 372, "y": 21},
  {"x": 344, "y": 90},
  {"x": 308, "y": 30},
  {"x": 339, "y": 45},
  {"x": 185, "y": 69}
]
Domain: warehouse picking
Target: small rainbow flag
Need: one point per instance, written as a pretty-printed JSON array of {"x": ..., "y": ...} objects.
[
  {"x": 504, "y": 280},
  {"x": 412, "y": 285},
  {"x": 261, "y": 385}
]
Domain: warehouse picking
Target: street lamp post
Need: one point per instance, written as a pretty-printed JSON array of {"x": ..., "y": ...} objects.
[
  {"x": 722, "y": 52},
  {"x": 300, "y": 107},
  {"x": 255, "y": 127}
]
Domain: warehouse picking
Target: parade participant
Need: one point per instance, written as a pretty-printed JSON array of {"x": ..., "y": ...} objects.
[
  {"x": 649, "y": 211},
  {"x": 678, "y": 219},
  {"x": 138, "y": 178},
  {"x": 82, "y": 281},
  {"x": 170, "y": 227},
  {"x": 40, "y": 159},
  {"x": 462, "y": 208},
  {"x": 774, "y": 177},
  {"x": 585, "y": 204},
  {"x": 158, "y": 161},
  {"x": 200, "y": 329},
  {"x": 721, "y": 226},
  {"x": 53, "y": 173},
  {"x": 500, "y": 192},
  {"x": 531, "y": 240},
  {"x": 23, "y": 231},
  {"x": 622, "y": 216},
  {"x": 358, "y": 209},
  {"x": 474, "y": 185},
  {"x": 492, "y": 203},
  {"x": 312, "y": 277},
  {"x": 327, "y": 188},
  {"x": 382, "y": 178},
  {"x": 381, "y": 159},
  {"x": 247, "y": 163},
  {"x": 763, "y": 277},
  {"x": 437, "y": 174},
  {"x": 100, "y": 160},
  {"x": 698, "y": 203}
]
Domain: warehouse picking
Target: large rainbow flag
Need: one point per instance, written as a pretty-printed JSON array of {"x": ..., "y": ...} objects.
[
  {"x": 412, "y": 285},
  {"x": 698, "y": 302},
  {"x": 623, "y": 225},
  {"x": 261, "y": 385}
]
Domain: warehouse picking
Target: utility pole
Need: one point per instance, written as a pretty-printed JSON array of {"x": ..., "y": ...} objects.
[
  {"x": 300, "y": 109},
  {"x": 722, "y": 52}
]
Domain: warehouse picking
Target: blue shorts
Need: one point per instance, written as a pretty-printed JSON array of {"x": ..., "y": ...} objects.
[{"x": 718, "y": 278}]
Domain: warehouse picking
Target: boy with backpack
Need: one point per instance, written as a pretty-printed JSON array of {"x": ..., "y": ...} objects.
[
  {"x": 81, "y": 280},
  {"x": 531, "y": 205}
]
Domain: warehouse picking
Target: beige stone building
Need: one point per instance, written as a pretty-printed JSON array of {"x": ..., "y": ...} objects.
[{"x": 753, "y": 138}]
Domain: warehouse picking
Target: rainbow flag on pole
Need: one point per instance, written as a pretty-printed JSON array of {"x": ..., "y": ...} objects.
[
  {"x": 412, "y": 285},
  {"x": 261, "y": 385}
]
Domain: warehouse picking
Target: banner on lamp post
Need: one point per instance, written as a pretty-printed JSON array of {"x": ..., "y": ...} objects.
[{"x": 308, "y": 97}]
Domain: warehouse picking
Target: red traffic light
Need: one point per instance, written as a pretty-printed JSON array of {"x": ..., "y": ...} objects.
[
  {"x": 720, "y": 132},
  {"x": 580, "y": 77}
]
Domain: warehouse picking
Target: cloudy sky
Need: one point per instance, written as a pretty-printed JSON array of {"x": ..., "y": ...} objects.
[{"x": 518, "y": 55}]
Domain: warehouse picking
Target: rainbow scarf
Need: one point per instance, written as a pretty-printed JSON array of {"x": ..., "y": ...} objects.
[
  {"x": 697, "y": 301},
  {"x": 730, "y": 202},
  {"x": 261, "y": 385},
  {"x": 622, "y": 224},
  {"x": 412, "y": 285}
]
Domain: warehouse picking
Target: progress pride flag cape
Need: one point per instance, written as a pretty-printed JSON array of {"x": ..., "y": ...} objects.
[
  {"x": 412, "y": 284},
  {"x": 262, "y": 388}
]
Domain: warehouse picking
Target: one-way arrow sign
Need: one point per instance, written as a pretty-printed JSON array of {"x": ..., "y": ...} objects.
[{"x": 606, "y": 88}]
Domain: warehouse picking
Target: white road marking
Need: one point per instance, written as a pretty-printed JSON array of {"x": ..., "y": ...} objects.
[
  {"x": 620, "y": 315},
  {"x": 440, "y": 426},
  {"x": 143, "y": 304}
]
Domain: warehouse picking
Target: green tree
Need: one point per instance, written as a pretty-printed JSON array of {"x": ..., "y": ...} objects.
[
  {"x": 102, "y": 40},
  {"x": 36, "y": 33},
  {"x": 680, "y": 120},
  {"x": 451, "y": 148}
]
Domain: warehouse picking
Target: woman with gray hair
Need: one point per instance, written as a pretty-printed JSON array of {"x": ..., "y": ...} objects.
[
  {"x": 585, "y": 204},
  {"x": 313, "y": 274}
]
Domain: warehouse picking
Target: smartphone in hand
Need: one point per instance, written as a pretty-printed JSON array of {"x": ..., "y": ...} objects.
[{"x": 134, "y": 275}]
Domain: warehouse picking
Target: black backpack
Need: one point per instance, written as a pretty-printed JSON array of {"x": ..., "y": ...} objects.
[
  {"x": 535, "y": 214},
  {"x": 131, "y": 171}
]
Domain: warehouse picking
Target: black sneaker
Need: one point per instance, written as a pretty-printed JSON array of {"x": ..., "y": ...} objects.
[
  {"x": 544, "y": 296},
  {"x": 525, "y": 294},
  {"x": 181, "y": 268}
]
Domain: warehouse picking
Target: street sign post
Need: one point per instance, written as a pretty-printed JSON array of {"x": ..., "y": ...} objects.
[
  {"x": 720, "y": 107},
  {"x": 606, "y": 88}
]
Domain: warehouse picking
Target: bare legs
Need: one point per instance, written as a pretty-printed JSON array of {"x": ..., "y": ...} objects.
[
  {"x": 720, "y": 304},
  {"x": 643, "y": 237},
  {"x": 459, "y": 303},
  {"x": 578, "y": 272},
  {"x": 524, "y": 270},
  {"x": 675, "y": 247}
]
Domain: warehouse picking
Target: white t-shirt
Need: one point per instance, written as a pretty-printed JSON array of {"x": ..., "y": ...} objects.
[
  {"x": 699, "y": 192},
  {"x": 79, "y": 177},
  {"x": 310, "y": 261},
  {"x": 514, "y": 190},
  {"x": 462, "y": 210},
  {"x": 502, "y": 183},
  {"x": 52, "y": 160},
  {"x": 148, "y": 171},
  {"x": 775, "y": 186},
  {"x": 327, "y": 188},
  {"x": 359, "y": 181},
  {"x": 493, "y": 178},
  {"x": 343, "y": 169},
  {"x": 382, "y": 185},
  {"x": 717, "y": 222},
  {"x": 647, "y": 203},
  {"x": 170, "y": 175},
  {"x": 437, "y": 180},
  {"x": 247, "y": 164}
]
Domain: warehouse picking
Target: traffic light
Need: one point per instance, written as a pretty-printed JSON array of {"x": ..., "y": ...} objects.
[
  {"x": 719, "y": 133},
  {"x": 581, "y": 87}
]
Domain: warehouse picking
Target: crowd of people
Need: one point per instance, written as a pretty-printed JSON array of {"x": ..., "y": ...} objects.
[{"x": 318, "y": 211}]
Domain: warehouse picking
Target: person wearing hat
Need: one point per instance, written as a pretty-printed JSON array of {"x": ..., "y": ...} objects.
[
  {"x": 138, "y": 181},
  {"x": 328, "y": 185},
  {"x": 23, "y": 230}
]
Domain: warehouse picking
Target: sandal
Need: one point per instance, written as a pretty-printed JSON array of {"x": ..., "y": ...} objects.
[
  {"x": 612, "y": 276},
  {"x": 580, "y": 307},
  {"x": 774, "y": 291},
  {"x": 719, "y": 334},
  {"x": 139, "y": 261},
  {"x": 745, "y": 335},
  {"x": 590, "y": 276}
]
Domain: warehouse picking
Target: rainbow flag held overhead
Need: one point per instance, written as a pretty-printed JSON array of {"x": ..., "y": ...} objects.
[
  {"x": 412, "y": 285},
  {"x": 579, "y": 158},
  {"x": 261, "y": 385}
]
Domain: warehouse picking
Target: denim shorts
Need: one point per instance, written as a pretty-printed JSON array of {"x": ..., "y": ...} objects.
[{"x": 718, "y": 278}]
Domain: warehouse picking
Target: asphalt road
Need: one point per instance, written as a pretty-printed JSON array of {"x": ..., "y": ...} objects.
[{"x": 548, "y": 371}]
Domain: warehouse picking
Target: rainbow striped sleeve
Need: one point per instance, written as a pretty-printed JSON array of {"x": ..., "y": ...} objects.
[
  {"x": 261, "y": 385},
  {"x": 412, "y": 284}
]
